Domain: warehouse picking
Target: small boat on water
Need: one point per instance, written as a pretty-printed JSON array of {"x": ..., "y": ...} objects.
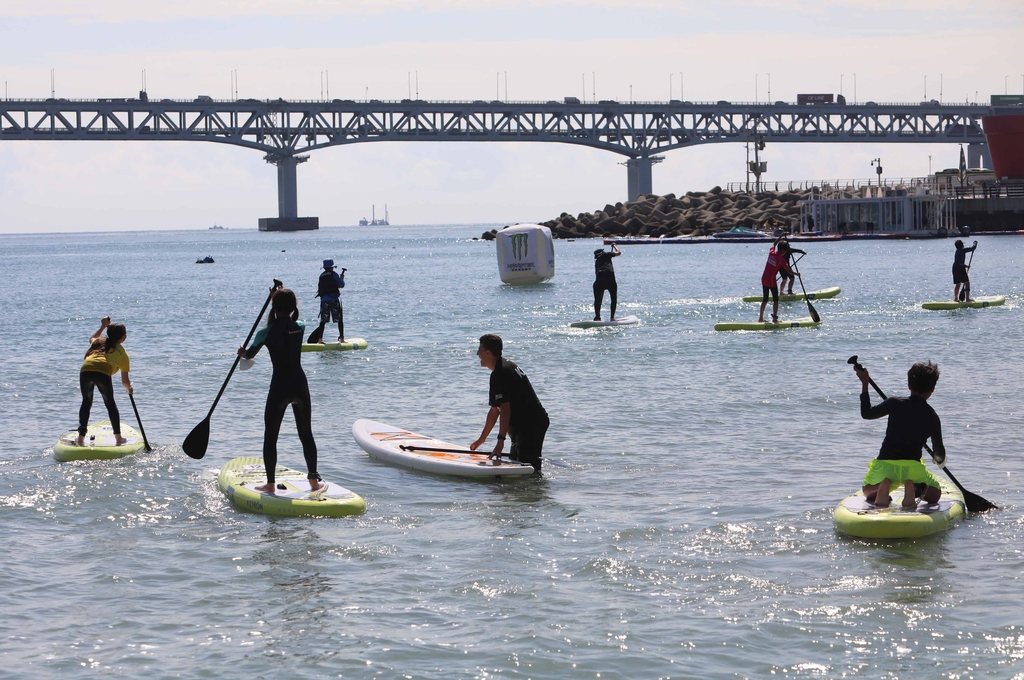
[
  {"x": 374, "y": 222},
  {"x": 743, "y": 232},
  {"x": 205, "y": 260}
]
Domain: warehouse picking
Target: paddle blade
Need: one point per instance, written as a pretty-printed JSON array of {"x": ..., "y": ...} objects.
[
  {"x": 973, "y": 501},
  {"x": 315, "y": 336},
  {"x": 814, "y": 313},
  {"x": 963, "y": 294},
  {"x": 976, "y": 503},
  {"x": 197, "y": 440}
]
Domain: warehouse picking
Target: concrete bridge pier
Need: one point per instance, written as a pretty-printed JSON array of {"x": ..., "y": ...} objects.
[
  {"x": 287, "y": 197},
  {"x": 978, "y": 156},
  {"x": 639, "y": 175}
]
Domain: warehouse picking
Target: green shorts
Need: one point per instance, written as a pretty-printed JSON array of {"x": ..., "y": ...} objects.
[{"x": 898, "y": 472}]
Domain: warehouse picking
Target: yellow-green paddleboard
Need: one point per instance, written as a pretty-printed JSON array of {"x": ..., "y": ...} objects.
[
  {"x": 240, "y": 476},
  {"x": 813, "y": 295},
  {"x": 976, "y": 303},
  {"x": 857, "y": 517},
  {"x": 806, "y": 322},
  {"x": 99, "y": 443},
  {"x": 353, "y": 343}
]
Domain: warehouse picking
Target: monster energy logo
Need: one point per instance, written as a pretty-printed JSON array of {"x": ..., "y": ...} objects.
[{"x": 520, "y": 245}]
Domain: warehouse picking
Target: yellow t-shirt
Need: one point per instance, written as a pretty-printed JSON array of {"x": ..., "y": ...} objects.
[{"x": 107, "y": 363}]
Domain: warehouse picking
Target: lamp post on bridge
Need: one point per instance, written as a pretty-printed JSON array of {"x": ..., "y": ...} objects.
[{"x": 877, "y": 163}]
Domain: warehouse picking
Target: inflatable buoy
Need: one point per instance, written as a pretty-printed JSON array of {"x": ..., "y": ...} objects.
[{"x": 526, "y": 254}]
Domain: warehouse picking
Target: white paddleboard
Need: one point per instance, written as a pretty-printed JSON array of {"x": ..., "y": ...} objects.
[
  {"x": 385, "y": 442},
  {"x": 621, "y": 321}
]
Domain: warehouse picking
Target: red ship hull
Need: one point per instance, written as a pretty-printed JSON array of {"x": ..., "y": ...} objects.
[{"x": 1005, "y": 137}]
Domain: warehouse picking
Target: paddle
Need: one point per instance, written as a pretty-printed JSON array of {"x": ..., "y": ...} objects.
[
  {"x": 139, "y": 421},
  {"x": 810, "y": 307},
  {"x": 963, "y": 290},
  {"x": 315, "y": 337},
  {"x": 558, "y": 463},
  {"x": 197, "y": 440},
  {"x": 973, "y": 501}
]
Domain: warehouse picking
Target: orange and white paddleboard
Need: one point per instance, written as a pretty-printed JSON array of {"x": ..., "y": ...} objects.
[{"x": 408, "y": 449}]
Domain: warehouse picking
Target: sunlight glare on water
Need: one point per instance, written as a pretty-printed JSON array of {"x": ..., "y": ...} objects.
[{"x": 691, "y": 535}]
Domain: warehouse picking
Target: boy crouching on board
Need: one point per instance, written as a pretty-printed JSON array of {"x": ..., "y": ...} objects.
[{"x": 911, "y": 422}]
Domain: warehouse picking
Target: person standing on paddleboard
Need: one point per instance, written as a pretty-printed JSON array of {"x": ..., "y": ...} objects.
[
  {"x": 605, "y": 281},
  {"x": 328, "y": 289},
  {"x": 777, "y": 255},
  {"x": 514, "y": 406},
  {"x": 786, "y": 271},
  {"x": 103, "y": 359},
  {"x": 960, "y": 275},
  {"x": 911, "y": 422},
  {"x": 283, "y": 337}
]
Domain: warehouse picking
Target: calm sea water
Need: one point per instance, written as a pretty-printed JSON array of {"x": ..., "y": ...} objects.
[{"x": 691, "y": 537}]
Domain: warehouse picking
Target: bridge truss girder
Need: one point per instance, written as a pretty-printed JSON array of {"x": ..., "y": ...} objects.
[
  {"x": 634, "y": 130},
  {"x": 283, "y": 129}
]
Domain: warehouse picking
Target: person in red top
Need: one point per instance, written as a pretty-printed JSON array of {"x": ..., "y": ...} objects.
[{"x": 776, "y": 260}]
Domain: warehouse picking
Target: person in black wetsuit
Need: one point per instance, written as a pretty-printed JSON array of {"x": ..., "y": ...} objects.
[
  {"x": 786, "y": 271},
  {"x": 605, "y": 281},
  {"x": 911, "y": 422},
  {"x": 328, "y": 289},
  {"x": 960, "y": 270},
  {"x": 514, "y": 406},
  {"x": 283, "y": 337}
]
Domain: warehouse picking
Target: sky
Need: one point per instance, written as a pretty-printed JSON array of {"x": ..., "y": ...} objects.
[{"x": 900, "y": 52}]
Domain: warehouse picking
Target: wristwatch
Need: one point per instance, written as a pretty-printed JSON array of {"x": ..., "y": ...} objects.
[{"x": 501, "y": 437}]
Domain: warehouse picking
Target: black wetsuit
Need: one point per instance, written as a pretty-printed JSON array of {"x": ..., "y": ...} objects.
[
  {"x": 529, "y": 421},
  {"x": 911, "y": 422},
  {"x": 605, "y": 281},
  {"x": 786, "y": 270},
  {"x": 960, "y": 264},
  {"x": 283, "y": 338}
]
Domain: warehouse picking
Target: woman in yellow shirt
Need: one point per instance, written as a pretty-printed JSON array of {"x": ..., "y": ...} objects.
[{"x": 104, "y": 358}]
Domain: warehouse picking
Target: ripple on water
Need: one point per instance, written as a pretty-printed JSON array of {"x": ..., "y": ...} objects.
[{"x": 691, "y": 535}]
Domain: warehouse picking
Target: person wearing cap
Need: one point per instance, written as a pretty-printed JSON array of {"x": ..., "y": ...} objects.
[
  {"x": 605, "y": 281},
  {"x": 960, "y": 270},
  {"x": 328, "y": 289}
]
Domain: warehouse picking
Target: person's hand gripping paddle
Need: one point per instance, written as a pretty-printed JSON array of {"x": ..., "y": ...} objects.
[
  {"x": 810, "y": 308},
  {"x": 197, "y": 440},
  {"x": 973, "y": 501}
]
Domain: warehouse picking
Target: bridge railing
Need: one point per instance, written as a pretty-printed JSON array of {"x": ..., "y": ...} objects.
[
  {"x": 944, "y": 185},
  {"x": 502, "y": 102},
  {"x": 929, "y": 182}
]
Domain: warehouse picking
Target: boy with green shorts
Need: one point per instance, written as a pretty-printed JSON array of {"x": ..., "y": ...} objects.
[{"x": 911, "y": 422}]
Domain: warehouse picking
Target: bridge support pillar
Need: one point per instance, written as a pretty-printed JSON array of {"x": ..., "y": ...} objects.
[
  {"x": 287, "y": 197},
  {"x": 639, "y": 175},
  {"x": 978, "y": 156},
  {"x": 288, "y": 187}
]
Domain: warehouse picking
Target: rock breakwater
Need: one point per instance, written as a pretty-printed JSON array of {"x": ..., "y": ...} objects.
[{"x": 697, "y": 213}]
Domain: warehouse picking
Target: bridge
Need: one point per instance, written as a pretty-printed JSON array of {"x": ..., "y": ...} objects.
[{"x": 286, "y": 131}]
